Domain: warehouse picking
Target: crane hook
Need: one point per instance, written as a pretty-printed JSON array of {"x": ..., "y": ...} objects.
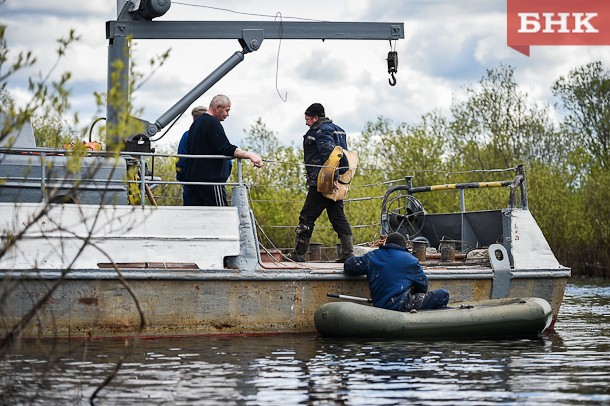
[{"x": 392, "y": 60}]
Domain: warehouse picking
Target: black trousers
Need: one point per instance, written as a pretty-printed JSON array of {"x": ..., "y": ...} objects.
[
  {"x": 313, "y": 207},
  {"x": 205, "y": 195}
]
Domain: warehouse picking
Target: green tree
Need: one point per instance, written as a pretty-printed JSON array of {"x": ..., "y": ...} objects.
[
  {"x": 391, "y": 152},
  {"x": 584, "y": 96},
  {"x": 495, "y": 126},
  {"x": 596, "y": 212},
  {"x": 54, "y": 131}
]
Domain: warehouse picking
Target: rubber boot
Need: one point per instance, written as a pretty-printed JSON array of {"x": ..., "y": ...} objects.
[
  {"x": 301, "y": 246},
  {"x": 347, "y": 248}
]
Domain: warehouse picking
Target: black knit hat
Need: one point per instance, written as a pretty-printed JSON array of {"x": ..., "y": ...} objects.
[
  {"x": 396, "y": 238},
  {"x": 315, "y": 110}
]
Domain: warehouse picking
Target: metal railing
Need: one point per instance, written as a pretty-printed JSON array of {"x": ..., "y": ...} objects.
[
  {"x": 143, "y": 181},
  {"x": 517, "y": 182},
  {"x": 136, "y": 160}
]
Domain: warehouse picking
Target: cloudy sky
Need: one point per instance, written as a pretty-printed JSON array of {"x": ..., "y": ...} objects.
[{"x": 449, "y": 44}]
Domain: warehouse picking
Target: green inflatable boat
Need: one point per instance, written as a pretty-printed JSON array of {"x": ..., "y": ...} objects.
[{"x": 495, "y": 318}]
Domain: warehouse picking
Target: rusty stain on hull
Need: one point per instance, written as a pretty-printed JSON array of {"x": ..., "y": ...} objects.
[{"x": 88, "y": 301}]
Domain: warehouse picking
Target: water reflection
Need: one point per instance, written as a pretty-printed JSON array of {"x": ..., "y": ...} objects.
[{"x": 566, "y": 367}]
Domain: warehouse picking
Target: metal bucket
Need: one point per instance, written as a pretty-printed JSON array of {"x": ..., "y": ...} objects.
[
  {"x": 447, "y": 248},
  {"x": 419, "y": 250}
]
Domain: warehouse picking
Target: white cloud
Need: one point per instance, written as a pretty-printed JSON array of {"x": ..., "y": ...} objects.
[{"x": 448, "y": 46}]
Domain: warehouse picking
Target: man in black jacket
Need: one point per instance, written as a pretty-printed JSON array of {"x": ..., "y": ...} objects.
[
  {"x": 318, "y": 143},
  {"x": 207, "y": 137}
]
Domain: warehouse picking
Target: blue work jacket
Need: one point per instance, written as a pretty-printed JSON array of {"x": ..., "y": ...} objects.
[
  {"x": 318, "y": 143},
  {"x": 392, "y": 274}
]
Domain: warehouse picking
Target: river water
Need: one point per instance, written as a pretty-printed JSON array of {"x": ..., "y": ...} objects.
[{"x": 570, "y": 366}]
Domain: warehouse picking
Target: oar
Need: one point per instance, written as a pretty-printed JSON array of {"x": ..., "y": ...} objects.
[{"x": 348, "y": 297}]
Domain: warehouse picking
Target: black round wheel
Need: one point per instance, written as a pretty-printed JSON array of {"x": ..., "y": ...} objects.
[{"x": 402, "y": 213}]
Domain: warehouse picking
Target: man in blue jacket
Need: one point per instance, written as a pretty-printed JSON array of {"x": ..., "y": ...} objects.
[
  {"x": 396, "y": 280},
  {"x": 318, "y": 143},
  {"x": 207, "y": 137}
]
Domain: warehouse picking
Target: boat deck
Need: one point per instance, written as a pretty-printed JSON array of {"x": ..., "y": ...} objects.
[{"x": 433, "y": 264}]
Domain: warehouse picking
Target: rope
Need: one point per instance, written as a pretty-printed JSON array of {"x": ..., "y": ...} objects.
[
  {"x": 242, "y": 12},
  {"x": 355, "y": 199},
  {"x": 363, "y": 168},
  {"x": 387, "y": 182},
  {"x": 260, "y": 228},
  {"x": 361, "y": 199}
]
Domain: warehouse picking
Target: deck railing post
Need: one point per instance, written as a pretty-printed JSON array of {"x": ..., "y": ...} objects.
[
  {"x": 239, "y": 172},
  {"x": 522, "y": 186},
  {"x": 462, "y": 201},
  {"x": 409, "y": 182},
  {"x": 43, "y": 176},
  {"x": 142, "y": 180},
  {"x": 463, "y": 210}
]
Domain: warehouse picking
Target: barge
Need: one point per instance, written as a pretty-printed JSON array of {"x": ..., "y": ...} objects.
[{"x": 82, "y": 257}]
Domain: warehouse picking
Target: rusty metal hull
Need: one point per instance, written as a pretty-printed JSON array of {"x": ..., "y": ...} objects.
[
  {"x": 96, "y": 303},
  {"x": 198, "y": 270}
]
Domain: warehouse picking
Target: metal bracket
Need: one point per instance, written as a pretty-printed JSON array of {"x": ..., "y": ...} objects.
[
  {"x": 498, "y": 256},
  {"x": 251, "y": 39}
]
